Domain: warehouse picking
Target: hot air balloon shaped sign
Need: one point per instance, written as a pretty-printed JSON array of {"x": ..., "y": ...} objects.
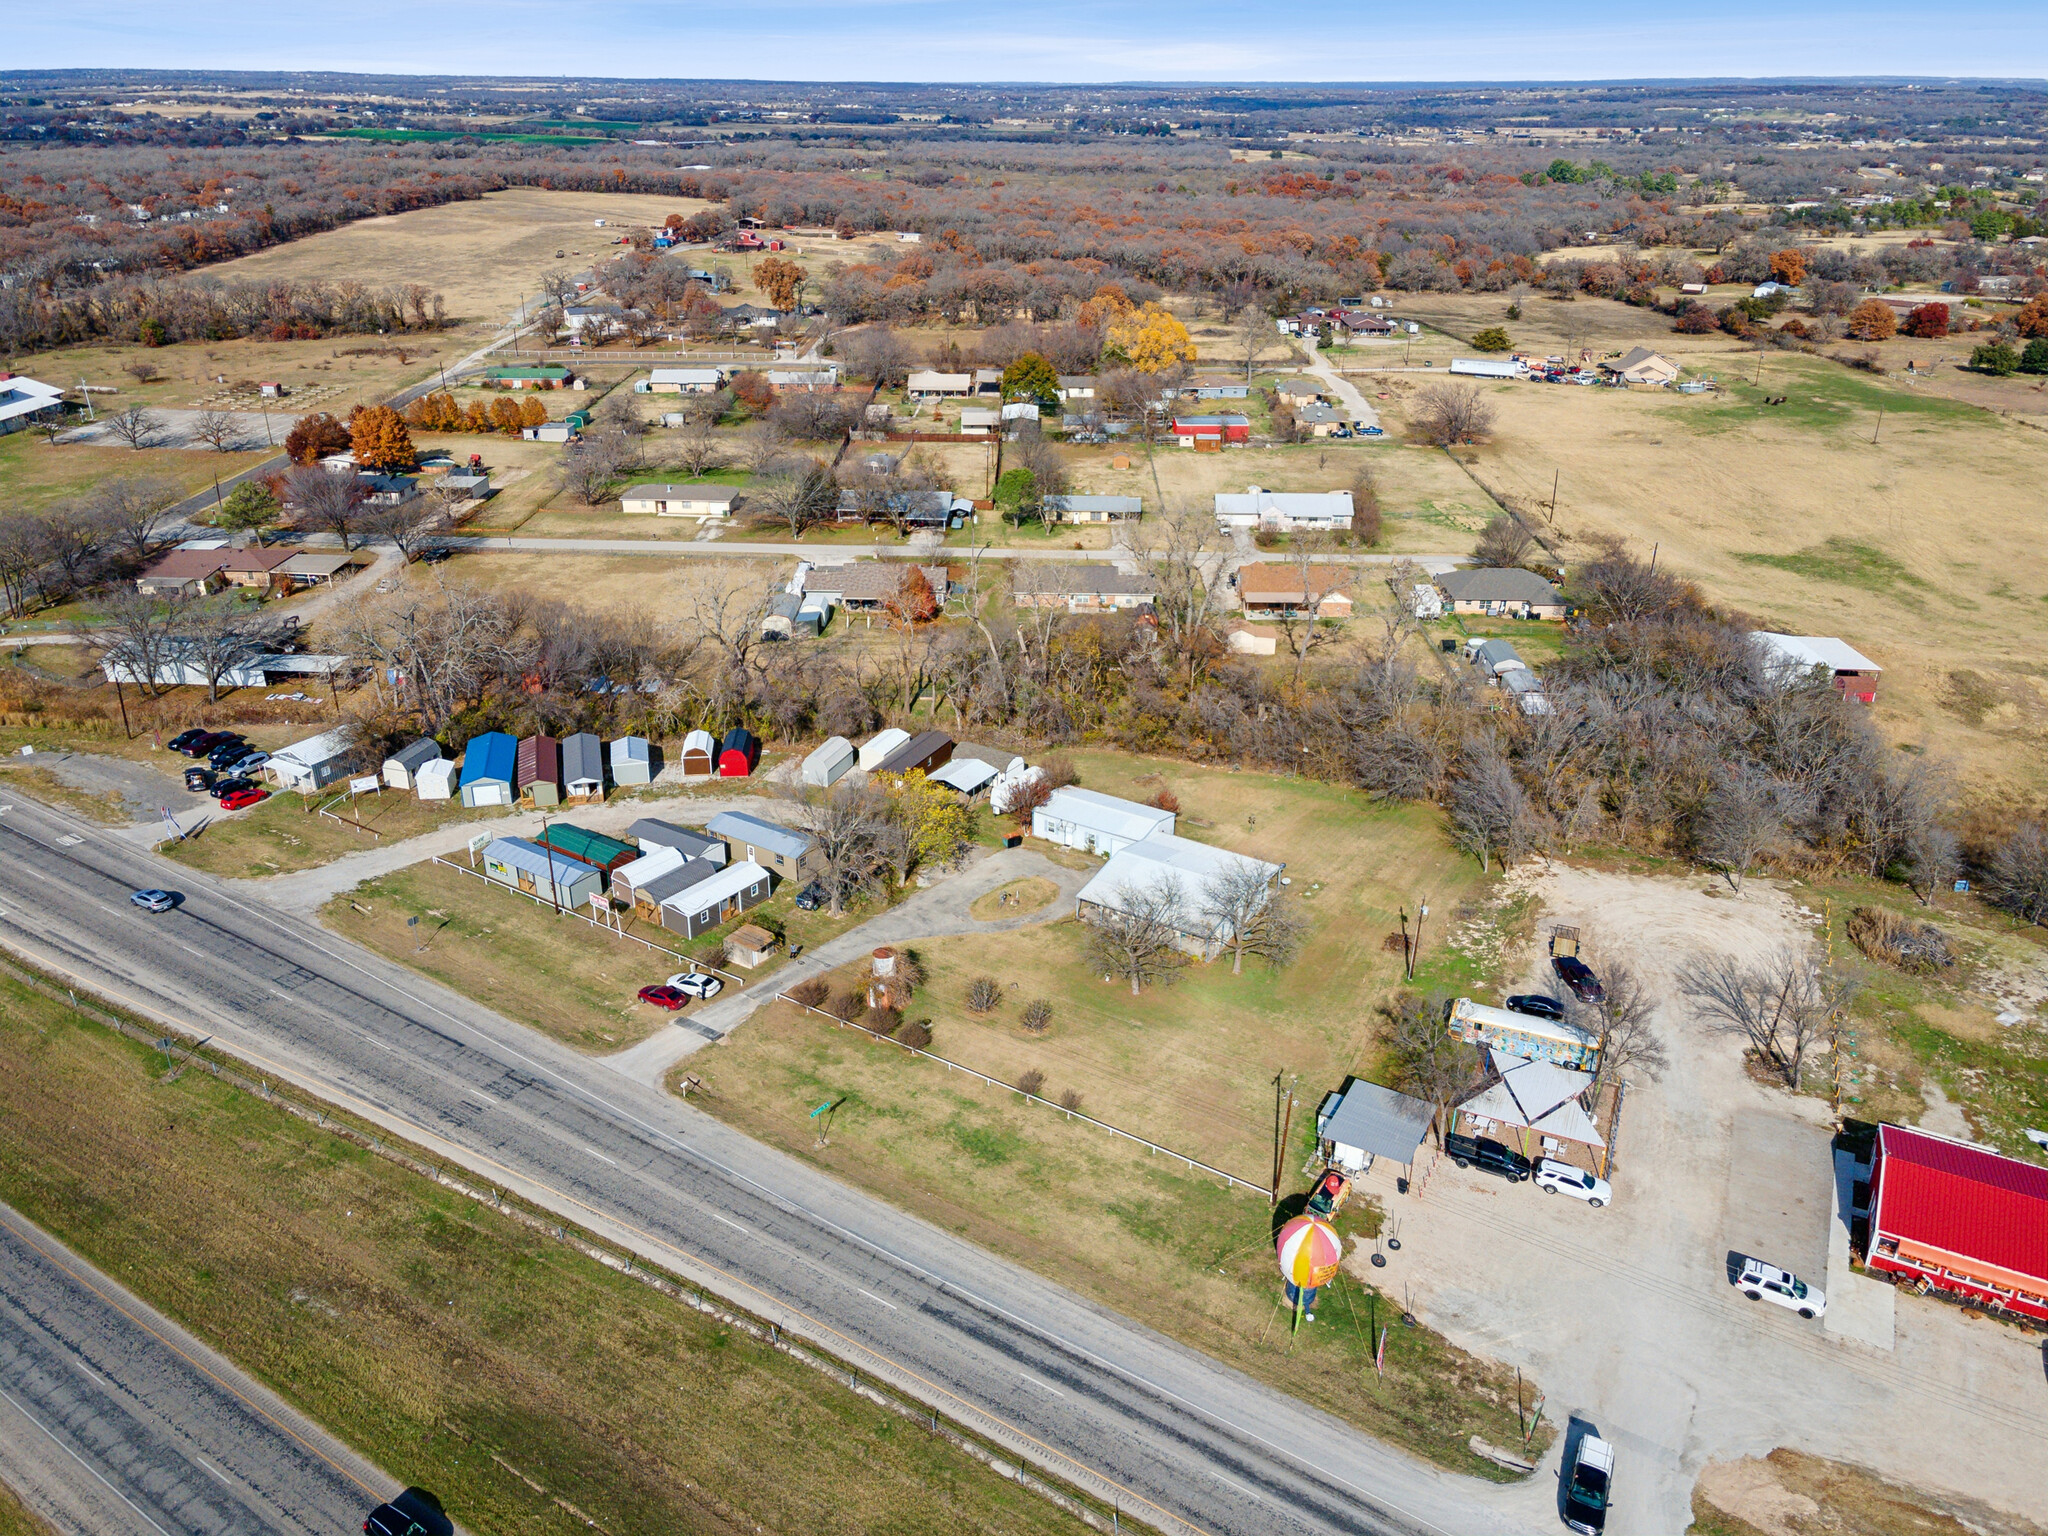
[{"x": 1310, "y": 1251}]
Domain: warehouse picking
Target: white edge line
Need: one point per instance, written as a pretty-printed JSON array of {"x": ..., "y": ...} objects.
[{"x": 117, "y": 1493}]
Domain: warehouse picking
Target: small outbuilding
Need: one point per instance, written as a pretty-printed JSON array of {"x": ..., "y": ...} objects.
[
  {"x": 632, "y": 761},
  {"x": 700, "y": 754},
  {"x": 537, "y": 770},
  {"x": 1789, "y": 659},
  {"x": 593, "y": 848},
  {"x": 651, "y": 834},
  {"x": 402, "y": 766},
  {"x": 876, "y": 749},
  {"x": 316, "y": 762},
  {"x": 750, "y": 945},
  {"x": 1362, "y": 1121},
  {"x": 790, "y": 854},
  {"x": 698, "y": 908},
  {"x": 583, "y": 768},
  {"x": 921, "y": 753},
  {"x": 488, "y": 764},
  {"x": 435, "y": 780},
  {"x": 739, "y": 753},
  {"x": 828, "y": 763},
  {"x": 965, "y": 775},
  {"x": 542, "y": 872}
]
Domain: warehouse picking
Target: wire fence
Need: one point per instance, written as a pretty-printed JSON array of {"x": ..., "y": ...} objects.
[
  {"x": 617, "y": 932},
  {"x": 1193, "y": 1163}
]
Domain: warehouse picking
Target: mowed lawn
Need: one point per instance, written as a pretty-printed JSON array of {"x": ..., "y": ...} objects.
[
  {"x": 452, "y": 1346},
  {"x": 286, "y": 831},
  {"x": 38, "y": 474},
  {"x": 1191, "y": 1067}
]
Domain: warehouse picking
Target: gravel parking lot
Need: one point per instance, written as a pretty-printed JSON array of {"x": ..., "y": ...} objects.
[{"x": 1626, "y": 1315}]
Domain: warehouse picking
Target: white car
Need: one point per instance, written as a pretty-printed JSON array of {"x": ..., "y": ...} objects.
[
  {"x": 696, "y": 984},
  {"x": 1555, "y": 1178},
  {"x": 1766, "y": 1282}
]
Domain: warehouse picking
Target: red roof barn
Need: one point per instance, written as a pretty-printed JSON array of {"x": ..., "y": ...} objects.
[
  {"x": 1189, "y": 430},
  {"x": 1948, "y": 1216}
]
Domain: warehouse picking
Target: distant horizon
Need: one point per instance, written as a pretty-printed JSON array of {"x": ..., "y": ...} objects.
[{"x": 1061, "y": 42}]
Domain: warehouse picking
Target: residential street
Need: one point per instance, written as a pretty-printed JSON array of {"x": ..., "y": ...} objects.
[
  {"x": 1128, "y": 1415},
  {"x": 115, "y": 1420}
]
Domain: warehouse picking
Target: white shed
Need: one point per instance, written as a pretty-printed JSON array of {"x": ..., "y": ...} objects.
[
  {"x": 402, "y": 765},
  {"x": 876, "y": 749},
  {"x": 632, "y": 761},
  {"x": 824, "y": 766},
  {"x": 435, "y": 780}
]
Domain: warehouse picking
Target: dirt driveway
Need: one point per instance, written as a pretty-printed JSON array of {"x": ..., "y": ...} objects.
[{"x": 1625, "y": 1315}]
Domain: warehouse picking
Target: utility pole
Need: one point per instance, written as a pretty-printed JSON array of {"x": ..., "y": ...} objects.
[
  {"x": 1286, "y": 1127},
  {"x": 1555, "y": 476},
  {"x": 1878, "y": 428},
  {"x": 1422, "y": 911},
  {"x": 126, "y": 731},
  {"x": 1653, "y": 556}
]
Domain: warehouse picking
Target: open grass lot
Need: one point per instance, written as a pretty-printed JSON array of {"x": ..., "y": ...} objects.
[
  {"x": 37, "y": 474},
  {"x": 660, "y": 588},
  {"x": 283, "y": 833},
  {"x": 486, "y": 255},
  {"x": 107, "y": 808},
  {"x": 439, "y": 1338},
  {"x": 16, "y": 1519},
  {"x": 1905, "y": 548},
  {"x": 554, "y": 972},
  {"x": 331, "y": 374}
]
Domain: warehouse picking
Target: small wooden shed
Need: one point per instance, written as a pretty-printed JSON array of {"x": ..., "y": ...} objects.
[
  {"x": 632, "y": 761},
  {"x": 925, "y": 751},
  {"x": 824, "y": 767},
  {"x": 700, "y": 754},
  {"x": 877, "y": 747},
  {"x": 583, "y": 768},
  {"x": 537, "y": 771},
  {"x": 738, "y": 753}
]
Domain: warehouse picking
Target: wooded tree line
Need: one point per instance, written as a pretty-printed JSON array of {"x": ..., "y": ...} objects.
[{"x": 157, "y": 311}]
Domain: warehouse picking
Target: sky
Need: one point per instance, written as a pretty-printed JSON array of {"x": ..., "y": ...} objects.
[{"x": 1054, "y": 40}]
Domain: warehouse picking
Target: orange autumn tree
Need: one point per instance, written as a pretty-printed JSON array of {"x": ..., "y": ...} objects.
[
  {"x": 1873, "y": 320},
  {"x": 1788, "y": 267},
  {"x": 531, "y": 412},
  {"x": 379, "y": 437},
  {"x": 781, "y": 281}
]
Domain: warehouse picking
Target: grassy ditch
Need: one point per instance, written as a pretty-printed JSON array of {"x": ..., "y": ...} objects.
[
  {"x": 453, "y": 1346},
  {"x": 284, "y": 834},
  {"x": 16, "y": 1519}
]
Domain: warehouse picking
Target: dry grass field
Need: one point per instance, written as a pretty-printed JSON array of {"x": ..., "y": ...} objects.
[
  {"x": 329, "y": 375},
  {"x": 659, "y": 588},
  {"x": 504, "y": 1369},
  {"x": 1906, "y": 547},
  {"x": 484, "y": 256},
  {"x": 35, "y": 474}
]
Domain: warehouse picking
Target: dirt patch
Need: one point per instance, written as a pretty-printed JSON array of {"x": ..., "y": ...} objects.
[
  {"x": 1013, "y": 900},
  {"x": 1789, "y": 1493}
]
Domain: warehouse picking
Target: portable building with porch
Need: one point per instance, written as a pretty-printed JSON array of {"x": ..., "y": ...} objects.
[
  {"x": 538, "y": 771},
  {"x": 316, "y": 762},
  {"x": 699, "y": 908},
  {"x": 583, "y": 768},
  {"x": 922, "y": 753},
  {"x": 542, "y": 872}
]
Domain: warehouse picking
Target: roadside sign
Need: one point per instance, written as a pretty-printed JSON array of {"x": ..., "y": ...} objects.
[{"x": 364, "y": 785}]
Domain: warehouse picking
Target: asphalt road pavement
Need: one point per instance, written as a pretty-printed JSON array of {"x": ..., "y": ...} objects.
[
  {"x": 1169, "y": 1435},
  {"x": 114, "y": 1420}
]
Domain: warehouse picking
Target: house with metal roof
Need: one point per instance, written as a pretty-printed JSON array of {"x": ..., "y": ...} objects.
[
  {"x": 529, "y": 376},
  {"x": 24, "y": 401},
  {"x": 488, "y": 763},
  {"x": 790, "y": 854},
  {"x": 315, "y": 762},
  {"x": 1095, "y": 822},
  {"x": 700, "y": 499},
  {"x": 1501, "y": 593},
  {"x": 1180, "y": 869},
  {"x": 703, "y": 905},
  {"x": 1960, "y": 1220},
  {"x": 583, "y": 768},
  {"x": 1282, "y": 511},
  {"x": 542, "y": 872},
  {"x": 1362, "y": 1121},
  {"x": 1791, "y": 659}
]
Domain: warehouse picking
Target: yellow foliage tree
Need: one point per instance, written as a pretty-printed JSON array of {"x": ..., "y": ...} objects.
[
  {"x": 379, "y": 438},
  {"x": 1151, "y": 339},
  {"x": 532, "y": 413},
  {"x": 476, "y": 418},
  {"x": 938, "y": 821}
]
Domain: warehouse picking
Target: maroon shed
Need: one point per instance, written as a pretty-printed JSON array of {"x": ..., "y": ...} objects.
[
  {"x": 537, "y": 770},
  {"x": 925, "y": 751},
  {"x": 738, "y": 753}
]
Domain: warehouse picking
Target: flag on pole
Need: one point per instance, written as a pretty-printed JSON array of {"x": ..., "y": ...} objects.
[{"x": 1379, "y": 1355}]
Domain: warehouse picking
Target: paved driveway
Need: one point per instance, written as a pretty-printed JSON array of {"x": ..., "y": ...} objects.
[{"x": 1626, "y": 1316}]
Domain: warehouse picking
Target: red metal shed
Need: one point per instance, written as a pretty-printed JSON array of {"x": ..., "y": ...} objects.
[
  {"x": 1947, "y": 1216},
  {"x": 538, "y": 770},
  {"x": 738, "y": 753}
]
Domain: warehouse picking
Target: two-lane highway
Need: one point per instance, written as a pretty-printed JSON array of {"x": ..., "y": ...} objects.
[
  {"x": 1168, "y": 1434},
  {"x": 113, "y": 1419}
]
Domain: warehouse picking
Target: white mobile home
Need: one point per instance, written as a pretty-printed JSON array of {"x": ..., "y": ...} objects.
[{"x": 1096, "y": 823}]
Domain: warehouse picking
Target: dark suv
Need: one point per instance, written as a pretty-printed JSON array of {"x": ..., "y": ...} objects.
[
  {"x": 414, "y": 1512},
  {"x": 1471, "y": 1151}
]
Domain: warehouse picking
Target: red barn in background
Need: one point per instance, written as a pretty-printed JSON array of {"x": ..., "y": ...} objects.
[{"x": 1948, "y": 1216}]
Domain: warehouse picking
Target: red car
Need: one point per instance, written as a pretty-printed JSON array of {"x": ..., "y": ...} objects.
[
  {"x": 243, "y": 797},
  {"x": 671, "y": 998}
]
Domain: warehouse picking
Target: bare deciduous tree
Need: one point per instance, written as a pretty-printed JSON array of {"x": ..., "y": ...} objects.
[
  {"x": 1252, "y": 917},
  {"x": 1186, "y": 559},
  {"x": 135, "y": 426},
  {"x": 1782, "y": 1005},
  {"x": 326, "y": 502},
  {"x": 1742, "y": 817},
  {"x": 2017, "y": 874},
  {"x": 1620, "y": 1025},
  {"x": 800, "y": 495},
  {"x": 696, "y": 449},
  {"x": 136, "y": 633},
  {"x": 215, "y": 635},
  {"x": 1135, "y": 935},
  {"x": 1257, "y": 334},
  {"x": 1504, "y": 543},
  {"x": 1490, "y": 812},
  {"x": 845, "y": 824},
  {"x": 1448, "y": 413},
  {"x": 132, "y": 509},
  {"x": 219, "y": 429},
  {"x": 411, "y": 526},
  {"x": 1427, "y": 1060}
]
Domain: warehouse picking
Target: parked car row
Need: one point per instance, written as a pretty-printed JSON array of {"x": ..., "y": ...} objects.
[
  {"x": 677, "y": 991},
  {"x": 1552, "y": 1176},
  {"x": 229, "y": 762}
]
